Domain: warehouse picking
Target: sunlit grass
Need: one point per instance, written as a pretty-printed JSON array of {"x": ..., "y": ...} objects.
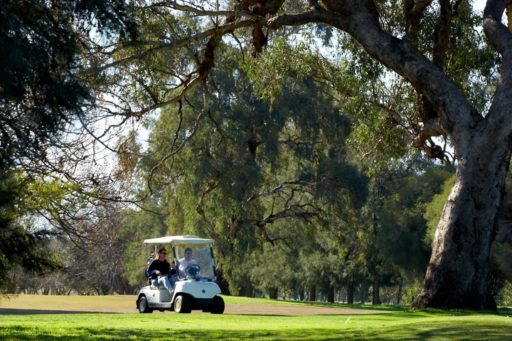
[{"x": 396, "y": 325}]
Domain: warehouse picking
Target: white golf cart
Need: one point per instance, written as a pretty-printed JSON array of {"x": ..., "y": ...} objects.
[{"x": 194, "y": 288}]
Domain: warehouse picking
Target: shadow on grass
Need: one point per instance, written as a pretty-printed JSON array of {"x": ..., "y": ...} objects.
[
  {"x": 13, "y": 311},
  {"x": 415, "y": 331},
  {"x": 505, "y": 311},
  {"x": 344, "y": 306}
]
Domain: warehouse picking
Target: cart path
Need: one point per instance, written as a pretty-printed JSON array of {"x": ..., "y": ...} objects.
[
  {"x": 292, "y": 309},
  {"x": 39, "y": 304}
]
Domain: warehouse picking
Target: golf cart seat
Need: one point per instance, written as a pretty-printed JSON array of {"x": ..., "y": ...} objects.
[{"x": 146, "y": 270}]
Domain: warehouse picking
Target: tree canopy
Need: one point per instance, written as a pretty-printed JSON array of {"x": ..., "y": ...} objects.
[{"x": 41, "y": 90}]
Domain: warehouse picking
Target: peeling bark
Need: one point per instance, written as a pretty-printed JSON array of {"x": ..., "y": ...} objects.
[{"x": 458, "y": 273}]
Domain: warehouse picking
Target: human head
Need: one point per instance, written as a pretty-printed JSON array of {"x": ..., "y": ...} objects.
[
  {"x": 162, "y": 254},
  {"x": 188, "y": 253}
]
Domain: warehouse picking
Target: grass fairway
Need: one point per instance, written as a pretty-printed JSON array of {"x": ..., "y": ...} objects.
[{"x": 398, "y": 324}]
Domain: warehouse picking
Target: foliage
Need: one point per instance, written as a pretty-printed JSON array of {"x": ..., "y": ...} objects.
[
  {"x": 40, "y": 84},
  {"x": 42, "y": 88},
  {"x": 20, "y": 244},
  {"x": 247, "y": 170},
  {"x": 412, "y": 292},
  {"x": 401, "y": 215},
  {"x": 283, "y": 157},
  {"x": 435, "y": 208},
  {"x": 505, "y": 296},
  {"x": 237, "y": 167}
]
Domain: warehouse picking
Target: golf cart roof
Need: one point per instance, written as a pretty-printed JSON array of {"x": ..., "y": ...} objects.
[{"x": 176, "y": 240}]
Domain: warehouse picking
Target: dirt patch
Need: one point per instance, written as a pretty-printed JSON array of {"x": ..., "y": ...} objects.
[
  {"x": 292, "y": 310},
  {"x": 37, "y": 304}
]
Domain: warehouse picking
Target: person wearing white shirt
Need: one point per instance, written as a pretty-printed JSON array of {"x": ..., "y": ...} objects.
[{"x": 185, "y": 262}]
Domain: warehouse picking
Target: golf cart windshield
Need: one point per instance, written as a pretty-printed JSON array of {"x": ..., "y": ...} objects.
[{"x": 189, "y": 256}]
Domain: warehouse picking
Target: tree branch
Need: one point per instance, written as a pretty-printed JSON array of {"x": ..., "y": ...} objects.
[
  {"x": 179, "y": 43},
  {"x": 456, "y": 113},
  {"x": 494, "y": 29},
  {"x": 413, "y": 12},
  {"x": 501, "y": 38}
]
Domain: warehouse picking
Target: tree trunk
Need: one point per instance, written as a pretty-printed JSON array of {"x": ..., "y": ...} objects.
[
  {"x": 458, "y": 274},
  {"x": 272, "y": 293},
  {"x": 363, "y": 293},
  {"x": 400, "y": 291},
  {"x": 376, "y": 290},
  {"x": 350, "y": 292},
  {"x": 247, "y": 290},
  {"x": 312, "y": 293},
  {"x": 222, "y": 282},
  {"x": 330, "y": 294},
  {"x": 301, "y": 294}
]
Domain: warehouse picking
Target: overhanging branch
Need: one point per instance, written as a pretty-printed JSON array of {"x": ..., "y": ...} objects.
[
  {"x": 494, "y": 29},
  {"x": 456, "y": 113},
  {"x": 501, "y": 38}
]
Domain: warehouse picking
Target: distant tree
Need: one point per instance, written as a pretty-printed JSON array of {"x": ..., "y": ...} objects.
[
  {"x": 97, "y": 264},
  {"x": 245, "y": 164},
  {"x": 20, "y": 245},
  {"x": 405, "y": 190},
  {"x": 137, "y": 225},
  {"x": 42, "y": 88}
]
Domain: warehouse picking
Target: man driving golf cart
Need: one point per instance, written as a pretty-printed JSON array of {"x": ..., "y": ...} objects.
[{"x": 193, "y": 288}]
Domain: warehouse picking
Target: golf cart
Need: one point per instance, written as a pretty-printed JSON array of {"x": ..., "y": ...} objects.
[{"x": 194, "y": 288}]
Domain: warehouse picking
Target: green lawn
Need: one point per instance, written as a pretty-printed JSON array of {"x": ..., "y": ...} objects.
[{"x": 397, "y": 325}]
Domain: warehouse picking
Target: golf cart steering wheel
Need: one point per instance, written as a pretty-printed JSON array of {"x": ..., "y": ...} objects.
[{"x": 192, "y": 270}]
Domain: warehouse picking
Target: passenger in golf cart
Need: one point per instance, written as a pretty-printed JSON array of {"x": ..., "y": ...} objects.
[
  {"x": 161, "y": 271},
  {"x": 188, "y": 265}
]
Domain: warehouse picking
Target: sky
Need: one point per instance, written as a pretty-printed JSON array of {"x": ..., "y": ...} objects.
[{"x": 479, "y": 5}]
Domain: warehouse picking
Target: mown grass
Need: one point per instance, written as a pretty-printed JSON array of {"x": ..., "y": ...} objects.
[{"x": 396, "y": 325}]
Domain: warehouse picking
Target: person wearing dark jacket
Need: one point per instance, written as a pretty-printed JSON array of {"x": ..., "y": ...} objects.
[{"x": 160, "y": 270}]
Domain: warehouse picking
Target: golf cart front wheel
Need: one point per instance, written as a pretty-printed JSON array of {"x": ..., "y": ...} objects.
[
  {"x": 182, "y": 304},
  {"x": 218, "y": 305},
  {"x": 144, "y": 306}
]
